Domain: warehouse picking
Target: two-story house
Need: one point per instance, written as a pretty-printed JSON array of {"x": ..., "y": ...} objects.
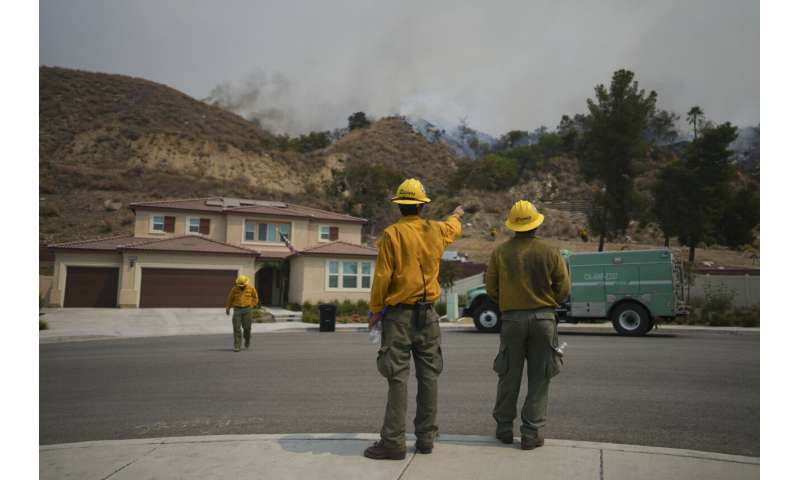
[{"x": 187, "y": 253}]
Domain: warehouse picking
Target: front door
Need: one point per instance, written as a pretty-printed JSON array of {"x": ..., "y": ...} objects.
[{"x": 265, "y": 281}]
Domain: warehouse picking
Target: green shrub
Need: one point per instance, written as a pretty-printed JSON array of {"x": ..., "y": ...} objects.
[
  {"x": 440, "y": 308},
  {"x": 362, "y": 307},
  {"x": 344, "y": 308},
  {"x": 746, "y": 316},
  {"x": 48, "y": 211},
  {"x": 716, "y": 309},
  {"x": 310, "y": 316},
  {"x": 294, "y": 307},
  {"x": 43, "y": 325},
  {"x": 717, "y": 305},
  {"x": 261, "y": 316}
]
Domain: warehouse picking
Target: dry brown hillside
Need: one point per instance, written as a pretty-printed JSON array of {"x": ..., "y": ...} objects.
[{"x": 107, "y": 140}]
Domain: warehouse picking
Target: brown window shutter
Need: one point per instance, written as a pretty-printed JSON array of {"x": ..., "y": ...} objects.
[
  {"x": 334, "y": 235},
  {"x": 169, "y": 224},
  {"x": 205, "y": 226}
]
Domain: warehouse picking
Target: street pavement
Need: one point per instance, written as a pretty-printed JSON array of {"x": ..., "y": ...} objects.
[
  {"x": 678, "y": 389},
  {"x": 338, "y": 456}
]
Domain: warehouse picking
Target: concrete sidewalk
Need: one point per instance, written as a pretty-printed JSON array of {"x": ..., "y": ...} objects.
[
  {"x": 339, "y": 456},
  {"x": 80, "y": 324}
]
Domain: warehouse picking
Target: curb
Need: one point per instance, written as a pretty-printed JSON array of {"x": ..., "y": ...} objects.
[{"x": 451, "y": 439}]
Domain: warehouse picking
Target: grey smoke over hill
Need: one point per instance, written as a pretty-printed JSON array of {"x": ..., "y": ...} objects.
[{"x": 517, "y": 64}]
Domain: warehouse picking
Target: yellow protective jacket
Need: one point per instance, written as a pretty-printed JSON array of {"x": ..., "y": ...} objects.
[
  {"x": 525, "y": 273},
  {"x": 242, "y": 297},
  {"x": 408, "y": 251}
]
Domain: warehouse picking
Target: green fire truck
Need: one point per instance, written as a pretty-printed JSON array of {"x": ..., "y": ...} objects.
[{"x": 632, "y": 288}]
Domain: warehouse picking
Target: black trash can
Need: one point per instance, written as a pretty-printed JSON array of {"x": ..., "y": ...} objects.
[{"x": 327, "y": 317}]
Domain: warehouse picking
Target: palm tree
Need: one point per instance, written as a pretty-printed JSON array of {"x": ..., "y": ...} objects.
[{"x": 695, "y": 114}]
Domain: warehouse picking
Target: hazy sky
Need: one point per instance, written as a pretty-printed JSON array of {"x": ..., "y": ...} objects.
[{"x": 301, "y": 65}]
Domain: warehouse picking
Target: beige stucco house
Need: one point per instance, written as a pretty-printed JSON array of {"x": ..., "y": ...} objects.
[{"x": 187, "y": 253}]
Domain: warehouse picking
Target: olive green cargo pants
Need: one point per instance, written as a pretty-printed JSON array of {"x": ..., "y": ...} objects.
[
  {"x": 242, "y": 320},
  {"x": 526, "y": 335},
  {"x": 401, "y": 340}
]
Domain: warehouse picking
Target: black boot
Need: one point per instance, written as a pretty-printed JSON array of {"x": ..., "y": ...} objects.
[{"x": 380, "y": 452}]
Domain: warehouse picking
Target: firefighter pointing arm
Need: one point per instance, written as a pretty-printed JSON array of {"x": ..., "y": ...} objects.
[{"x": 405, "y": 285}]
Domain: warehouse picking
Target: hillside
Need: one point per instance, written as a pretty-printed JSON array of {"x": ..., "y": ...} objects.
[{"x": 107, "y": 140}]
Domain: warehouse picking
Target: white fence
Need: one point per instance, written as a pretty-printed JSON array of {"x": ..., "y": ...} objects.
[
  {"x": 746, "y": 288},
  {"x": 462, "y": 286}
]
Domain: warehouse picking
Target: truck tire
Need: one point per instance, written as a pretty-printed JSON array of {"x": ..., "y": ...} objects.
[
  {"x": 631, "y": 319},
  {"x": 487, "y": 318}
]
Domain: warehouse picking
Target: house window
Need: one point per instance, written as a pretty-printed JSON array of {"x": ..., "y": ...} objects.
[
  {"x": 333, "y": 274},
  {"x": 366, "y": 275},
  {"x": 349, "y": 275},
  {"x": 328, "y": 233},
  {"x": 198, "y": 225},
  {"x": 162, "y": 223},
  {"x": 266, "y": 232}
]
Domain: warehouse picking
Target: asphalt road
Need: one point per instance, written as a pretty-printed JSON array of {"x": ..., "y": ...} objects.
[{"x": 684, "y": 390}]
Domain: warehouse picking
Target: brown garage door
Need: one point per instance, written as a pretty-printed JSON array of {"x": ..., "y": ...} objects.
[
  {"x": 91, "y": 287},
  {"x": 178, "y": 287}
]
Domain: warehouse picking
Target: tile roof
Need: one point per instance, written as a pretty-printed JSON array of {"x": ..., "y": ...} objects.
[
  {"x": 105, "y": 243},
  {"x": 189, "y": 243},
  {"x": 186, "y": 243},
  {"x": 245, "y": 206},
  {"x": 341, "y": 248}
]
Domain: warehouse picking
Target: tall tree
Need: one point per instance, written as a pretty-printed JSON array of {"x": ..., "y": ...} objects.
[
  {"x": 695, "y": 116},
  {"x": 740, "y": 217},
  {"x": 708, "y": 188},
  {"x": 357, "y": 120},
  {"x": 670, "y": 197},
  {"x": 613, "y": 140},
  {"x": 661, "y": 129}
]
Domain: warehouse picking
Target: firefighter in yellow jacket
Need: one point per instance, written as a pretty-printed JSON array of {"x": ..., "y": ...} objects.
[
  {"x": 405, "y": 285},
  {"x": 243, "y": 298},
  {"x": 528, "y": 279}
]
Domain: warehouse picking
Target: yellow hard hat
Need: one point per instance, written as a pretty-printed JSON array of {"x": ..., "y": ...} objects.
[
  {"x": 523, "y": 216},
  {"x": 242, "y": 280},
  {"x": 411, "y": 192}
]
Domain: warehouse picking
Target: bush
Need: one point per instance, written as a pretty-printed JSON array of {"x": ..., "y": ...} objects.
[
  {"x": 716, "y": 309},
  {"x": 440, "y": 308},
  {"x": 107, "y": 226},
  {"x": 295, "y": 307},
  {"x": 48, "y": 211},
  {"x": 746, "y": 316},
  {"x": 718, "y": 304},
  {"x": 492, "y": 172},
  {"x": 261, "y": 316},
  {"x": 43, "y": 325},
  {"x": 346, "y": 311}
]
